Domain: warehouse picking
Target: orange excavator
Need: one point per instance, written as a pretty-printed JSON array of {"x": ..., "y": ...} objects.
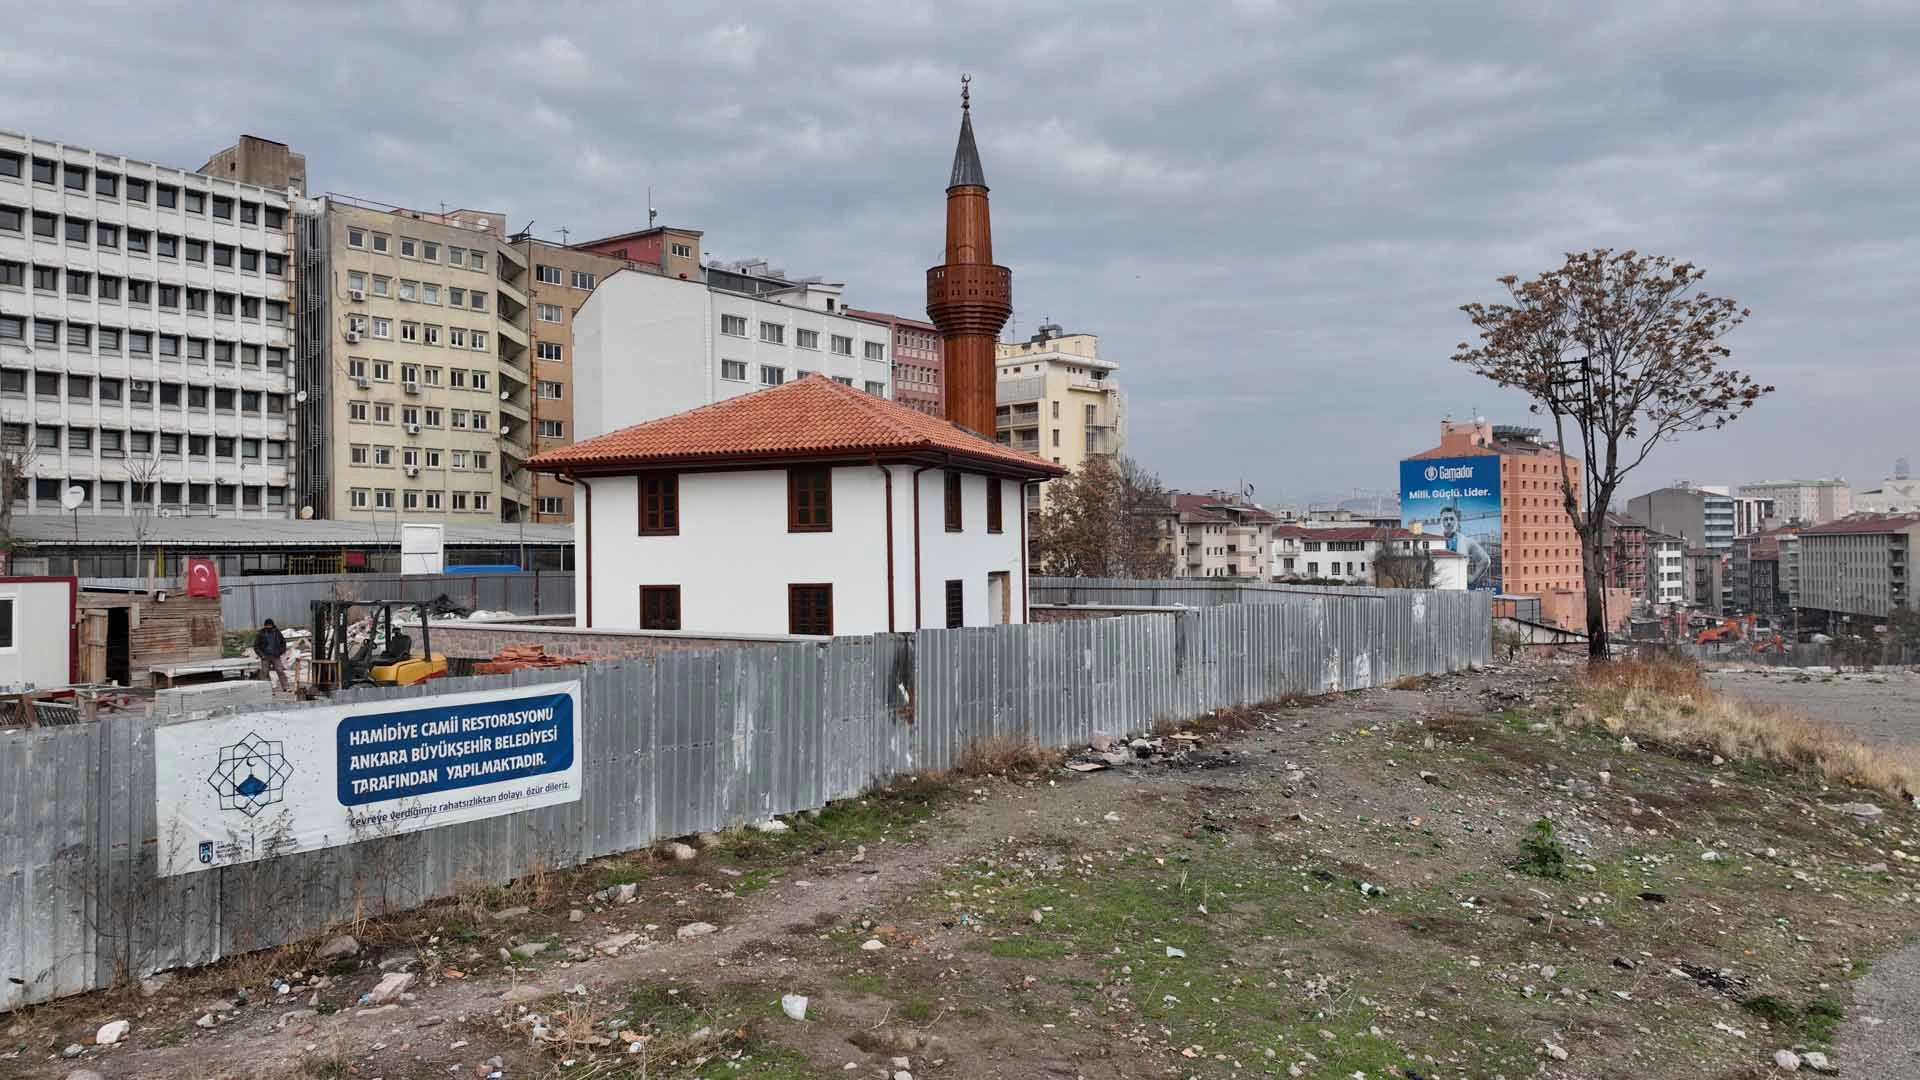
[{"x": 1740, "y": 629}]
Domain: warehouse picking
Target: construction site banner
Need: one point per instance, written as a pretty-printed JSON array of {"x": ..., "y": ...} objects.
[
  {"x": 1457, "y": 498},
  {"x": 244, "y": 788}
]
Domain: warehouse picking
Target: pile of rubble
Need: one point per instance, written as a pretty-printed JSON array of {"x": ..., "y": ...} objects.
[
  {"x": 515, "y": 657},
  {"x": 1180, "y": 749}
]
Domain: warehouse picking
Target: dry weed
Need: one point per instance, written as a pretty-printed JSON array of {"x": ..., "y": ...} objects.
[
  {"x": 999, "y": 755},
  {"x": 1668, "y": 702}
]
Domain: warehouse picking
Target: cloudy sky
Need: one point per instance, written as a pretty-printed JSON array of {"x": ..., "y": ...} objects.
[{"x": 1269, "y": 211}]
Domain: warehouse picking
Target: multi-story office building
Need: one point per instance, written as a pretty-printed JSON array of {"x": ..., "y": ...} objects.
[
  {"x": 1897, "y": 494},
  {"x": 919, "y": 370},
  {"x": 1859, "y": 566},
  {"x": 1705, "y": 580},
  {"x": 562, "y": 279},
  {"x": 1759, "y": 567},
  {"x": 1807, "y": 502},
  {"x": 649, "y": 345},
  {"x": 145, "y": 334},
  {"x": 1701, "y": 516},
  {"x": 1057, "y": 398},
  {"x": 425, "y": 402}
]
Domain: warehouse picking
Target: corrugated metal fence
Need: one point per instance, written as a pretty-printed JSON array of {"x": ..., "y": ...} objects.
[
  {"x": 675, "y": 744},
  {"x": 1179, "y": 592},
  {"x": 288, "y": 599}
]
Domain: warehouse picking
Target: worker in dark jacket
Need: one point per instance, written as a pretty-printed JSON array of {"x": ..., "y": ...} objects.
[{"x": 271, "y": 647}]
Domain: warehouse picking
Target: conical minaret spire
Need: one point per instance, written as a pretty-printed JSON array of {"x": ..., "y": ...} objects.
[{"x": 968, "y": 297}]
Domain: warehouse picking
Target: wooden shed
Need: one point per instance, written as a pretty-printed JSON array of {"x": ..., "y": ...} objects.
[{"x": 124, "y": 633}]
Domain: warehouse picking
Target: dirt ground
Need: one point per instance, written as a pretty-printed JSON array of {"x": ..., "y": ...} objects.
[
  {"x": 1333, "y": 888},
  {"x": 1879, "y": 708}
]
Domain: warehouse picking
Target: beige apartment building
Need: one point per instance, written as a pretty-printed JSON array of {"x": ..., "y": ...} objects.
[
  {"x": 560, "y": 279},
  {"x": 427, "y": 408},
  {"x": 1057, "y": 398}
]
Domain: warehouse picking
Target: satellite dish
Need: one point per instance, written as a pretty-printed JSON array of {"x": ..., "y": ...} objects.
[
  {"x": 306, "y": 513},
  {"x": 73, "y": 497},
  {"x": 505, "y": 394},
  {"x": 300, "y": 396}
]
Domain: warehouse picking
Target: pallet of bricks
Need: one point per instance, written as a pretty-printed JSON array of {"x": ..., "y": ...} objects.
[{"x": 515, "y": 657}]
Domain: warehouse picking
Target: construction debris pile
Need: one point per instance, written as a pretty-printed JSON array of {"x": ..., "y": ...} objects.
[
  {"x": 1178, "y": 750},
  {"x": 516, "y": 657}
]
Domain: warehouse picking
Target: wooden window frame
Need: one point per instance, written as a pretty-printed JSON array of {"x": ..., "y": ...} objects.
[
  {"x": 956, "y": 519},
  {"x": 956, "y": 598},
  {"x": 674, "y": 591},
  {"x": 821, "y": 498},
  {"x": 996, "y": 516},
  {"x": 792, "y": 622},
  {"x": 669, "y": 508}
]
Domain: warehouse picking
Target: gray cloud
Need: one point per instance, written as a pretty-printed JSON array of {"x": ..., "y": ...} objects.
[{"x": 1270, "y": 210}]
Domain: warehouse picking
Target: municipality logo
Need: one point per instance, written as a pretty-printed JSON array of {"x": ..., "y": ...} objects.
[
  {"x": 1432, "y": 474},
  {"x": 251, "y": 776}
]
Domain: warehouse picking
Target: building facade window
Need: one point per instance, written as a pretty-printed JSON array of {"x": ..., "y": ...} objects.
[
  {"x": 955, "y": 519},
  {"x": 956, "y": 603},
  {"x": 660, "y": 504},
  {"x": 810, "y": 499},
  {"x": 659, "y": 606},
  {"x": 994, "y": 519},
  {"x": 810, "y": 609}
]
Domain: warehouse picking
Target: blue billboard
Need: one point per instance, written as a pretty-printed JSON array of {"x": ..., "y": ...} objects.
[{"x": 1458, "y": 498}]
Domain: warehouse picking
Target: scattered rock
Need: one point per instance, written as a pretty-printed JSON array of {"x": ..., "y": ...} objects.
[
  {"x": 1786, "y": 1060},
  {"x": 576, "y": 915},
  {"x": 389, "y": 987},
  {"x": 694, "y": 929},
  {"x": 1036, "y": 916},
  {"x": 1429, "y": 777},
  {"x": 1110, "y": 817},
  {"x": 206, "y": 1021},
  {"x": 1605, "y": 777},
  {"x": 1709, "y": 856},
  {"x": 111, "y": 1032},
  {"x": 872, "y": 945},
  {"x": 338, "y": 948},
  {"x": 153, "y": 984},
  {"x": 522, "y": 994},
  {"x": 84, "y": 1074},
  {"x": 626, "y": 894},
  {"x": 680, "y": 852},
  {"x": 1176, "y": 954},
  {"x": 1817, "y": 1061},
  {"x": 1874, "y": 868},
  {"x": 1861, "y": 810},
  {"x": 530, "y": 949},
  {"x": 617, "y": 942},
  {"x": 73, "y": 1050},
  {"x": 771, "y": 825},
  {"x": 794, "y": 1005},
  {"x": 1556, "y": 1051},
  {"x": 510, "y": 913}
]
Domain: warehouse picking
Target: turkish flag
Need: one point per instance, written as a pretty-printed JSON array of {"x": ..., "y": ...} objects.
[{"x": 202, "y": 578}]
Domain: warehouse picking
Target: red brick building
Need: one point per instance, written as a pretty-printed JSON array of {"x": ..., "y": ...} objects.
[
  {"x": 918, "y": 365},
  {"x": 1627, "y": 556}
]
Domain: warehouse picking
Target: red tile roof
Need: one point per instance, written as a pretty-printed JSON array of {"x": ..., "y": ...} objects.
[
  {"x": 1215, "y": 508},
  {"x": 810, "y": 419}
]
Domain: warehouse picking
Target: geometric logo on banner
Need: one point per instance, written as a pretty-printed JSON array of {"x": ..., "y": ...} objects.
[{"x": 251, "y": 776}]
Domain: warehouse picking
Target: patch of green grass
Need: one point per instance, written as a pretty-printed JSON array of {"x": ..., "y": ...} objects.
[
  {"x": 910, "y": 1003},
  {"x": 170, "y": 1037},
  {"x": 740, "y": 1022},
  {"x": 891, "y": 815},
  {"x": 754, "y": 880},
  {"x": 609, "y": 873},
  {"x": 1812, "y": 1024}
]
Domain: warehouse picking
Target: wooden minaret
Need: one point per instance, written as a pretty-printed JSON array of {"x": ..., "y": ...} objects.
[{"x": 968, "y": 297}]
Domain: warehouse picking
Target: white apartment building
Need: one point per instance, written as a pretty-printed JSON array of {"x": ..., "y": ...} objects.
[
  {"x": 1346, "y": 553},
  {"x": 646, "y": 346},
  {"x": 1666, "y": 569},
  {"x": 1218, "y": 534},
  {"x": 144, "y": 333}
]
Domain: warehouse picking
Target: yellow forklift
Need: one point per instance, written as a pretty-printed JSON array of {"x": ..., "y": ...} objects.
[{"x": 382, "y": 657}]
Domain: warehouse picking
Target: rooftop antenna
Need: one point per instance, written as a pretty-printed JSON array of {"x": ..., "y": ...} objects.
[
  {"x": 652, "y": 214},
  {"x": 563, "y": 236}
]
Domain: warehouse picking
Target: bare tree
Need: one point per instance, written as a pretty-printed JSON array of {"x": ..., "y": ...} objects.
[
  {"x": 144, "y": 474},
  {"x": 1402, "y": 564},
  {"x": 1106, "y": 519},
  {"x": 1626, "y": 350},
  {"x": 15, "y": 463}
]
